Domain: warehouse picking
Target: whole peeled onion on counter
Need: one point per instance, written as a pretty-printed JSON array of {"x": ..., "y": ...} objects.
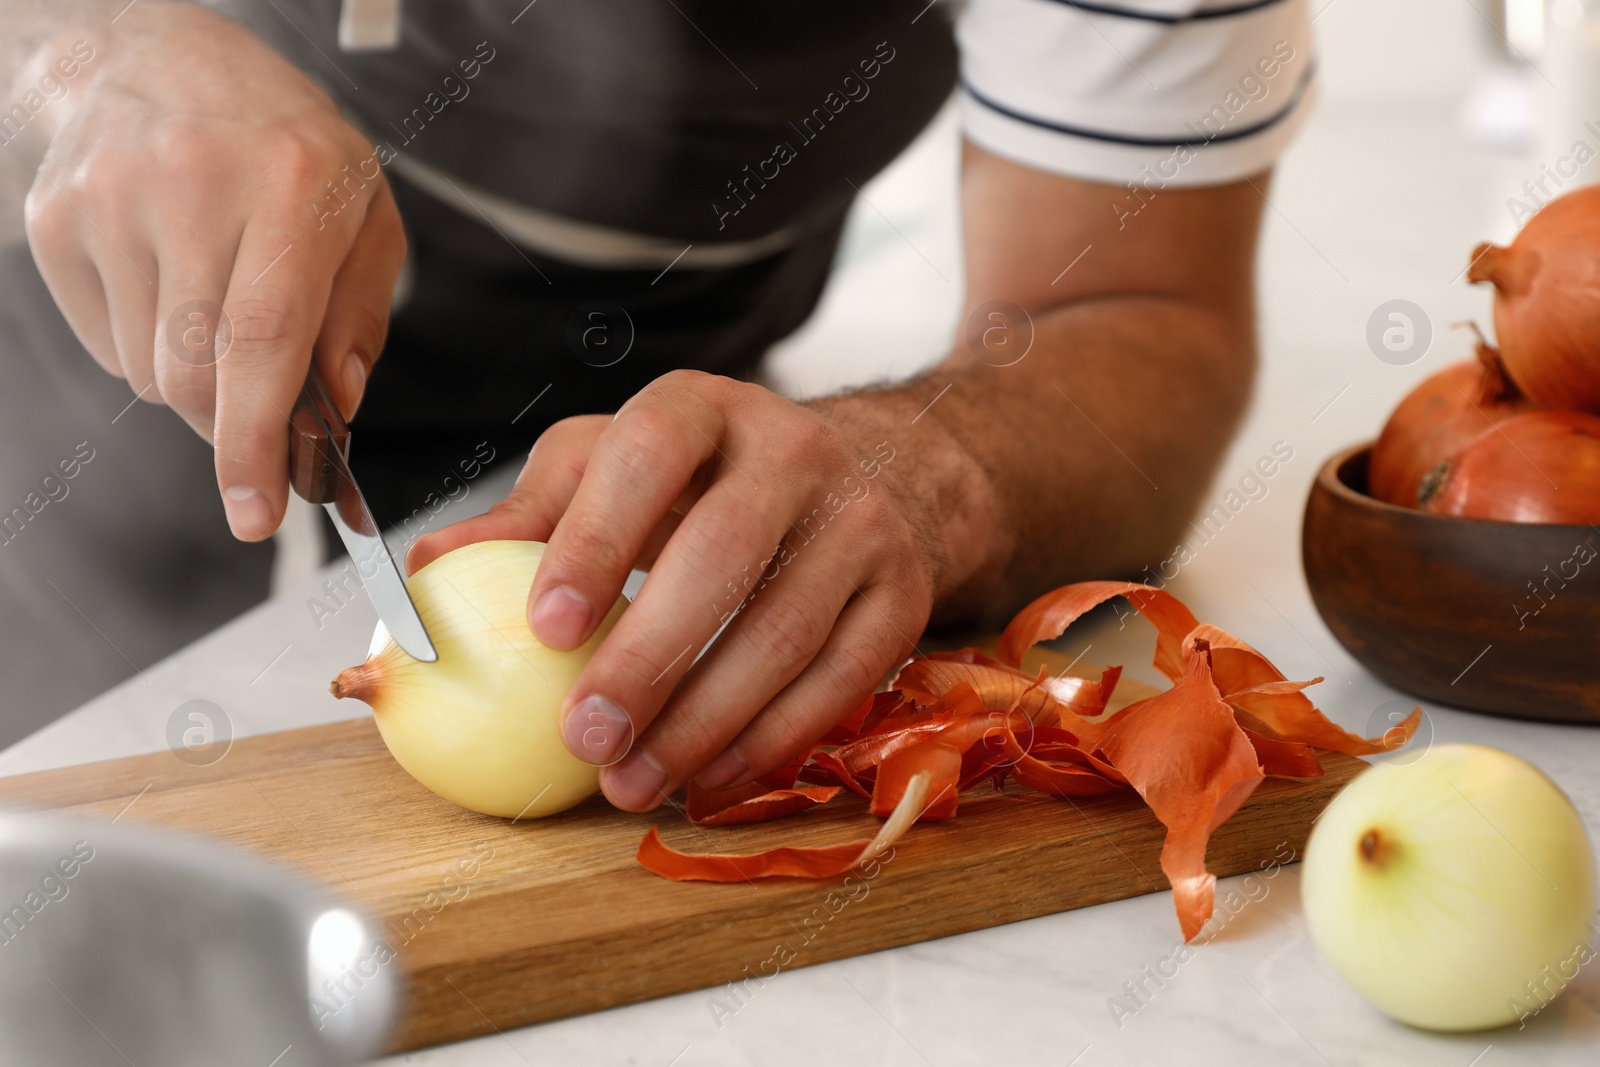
[
  {"x": 1547, "y": 301},
  {"x": 480, "y": 726},
  {"x": 1542, "y": 466},
  {"x": 1442, "y": 414},
  {"x": 1453, "y": 893}
]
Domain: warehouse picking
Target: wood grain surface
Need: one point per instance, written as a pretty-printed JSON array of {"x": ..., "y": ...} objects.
[
  {"x": 1467, "y": 612},
  {"x": 556, "y": 918}
]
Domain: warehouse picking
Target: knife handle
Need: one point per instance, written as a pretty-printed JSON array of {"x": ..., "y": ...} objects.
[{"x": 316, "y": 428}]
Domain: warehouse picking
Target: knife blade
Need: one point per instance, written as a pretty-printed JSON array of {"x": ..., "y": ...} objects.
[{"x": 319, "y": 472}]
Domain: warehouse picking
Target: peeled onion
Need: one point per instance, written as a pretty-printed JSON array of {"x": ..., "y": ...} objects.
[
  {"x": 1542, "y": 466},
  {"x": 480, "y": 726},
  {"x": 1454, "y": 893},
  {"x": 1547, "y": 301},
  {"x": 1442, "y": 414}
]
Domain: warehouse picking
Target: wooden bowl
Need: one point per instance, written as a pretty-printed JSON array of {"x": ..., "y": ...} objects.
[{"x": 1500, "y": 617}]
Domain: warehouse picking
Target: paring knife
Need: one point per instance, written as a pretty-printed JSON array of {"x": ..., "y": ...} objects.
[{"x": 319, "y": 471}]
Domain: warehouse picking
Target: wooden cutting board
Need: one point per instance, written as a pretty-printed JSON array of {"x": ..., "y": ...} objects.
[{"x": 556, "y": 918}]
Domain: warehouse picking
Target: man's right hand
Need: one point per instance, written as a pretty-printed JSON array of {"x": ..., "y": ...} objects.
[{"x": 189, "y": 167}]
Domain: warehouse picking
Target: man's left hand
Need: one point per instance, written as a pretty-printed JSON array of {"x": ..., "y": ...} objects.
[{"x": 821, "y": 528}]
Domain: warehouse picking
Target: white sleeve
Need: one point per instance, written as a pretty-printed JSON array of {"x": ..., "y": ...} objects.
[{"x": 1181, "y": 92}]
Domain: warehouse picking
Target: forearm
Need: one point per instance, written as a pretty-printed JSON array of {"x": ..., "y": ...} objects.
[
  {"x": 1066, "y": 466},
  {"x": 1086, "y": 456},
  {"x": 1108, "y": 463}
]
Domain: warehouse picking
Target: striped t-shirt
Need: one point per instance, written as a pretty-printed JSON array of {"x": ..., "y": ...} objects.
[
  {"x": 634, "y": 133},
  {"x": 1189, "y": 92}
]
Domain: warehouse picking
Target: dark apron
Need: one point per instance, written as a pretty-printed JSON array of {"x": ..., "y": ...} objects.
[{"x": 700, "y": 121}]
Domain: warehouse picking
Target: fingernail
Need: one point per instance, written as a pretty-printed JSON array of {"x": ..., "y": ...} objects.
[
  {"x": 355, "y": 378},
  {"x": 723, "y": 771},
  {"x": 597, "y": 731},
  {"x": 415, "y": 552},
  {"x": 639, "y": 785},
  {"x": 249, "y": 517},
  {"x": 561, "y": 618}
]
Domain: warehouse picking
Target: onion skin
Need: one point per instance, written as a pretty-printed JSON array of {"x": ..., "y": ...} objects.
[
  {"x": 481, "y": 725},
  {"x": 1453, "y": 893},
  {"x": 1542, "y": 466},
  {"x": 1547, "y": 301},
  {"x": 1439, "y": 417}
]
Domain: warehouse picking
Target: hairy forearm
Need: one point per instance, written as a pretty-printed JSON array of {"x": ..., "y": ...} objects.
[
  {"x": 1067, "y": 465},
  {"x": 1086, "y": 456},
  {"x": 1105, "y": 444}
]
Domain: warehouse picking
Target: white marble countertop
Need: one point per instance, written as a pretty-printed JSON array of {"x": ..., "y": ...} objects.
[{"x": 1377, "y": 200}]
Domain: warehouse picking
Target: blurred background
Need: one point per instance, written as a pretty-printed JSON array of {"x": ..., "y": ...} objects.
[{"x": 1432, "y": 115}]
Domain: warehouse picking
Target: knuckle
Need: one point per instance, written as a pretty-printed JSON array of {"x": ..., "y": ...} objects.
[
  {"x": 240, "y": 443},
  {"x": 788, "y": 631},
  {"x": 261, "y": 327},
  {"x": 299, "y": 161},
  {"x": 563, "y": 449},
  {"x": 650, "y": 438},
  {"x": 100, "y": 179},
  {"x": 590, "y": 550},
  {"x": 783, "y": 736},
  {"x": 811, "y": 439},
  {"x": 185, "y": 389},
  {"x": 515, "y": 508},
  {"x": 728, "y": 394},
  {"x": 47, "y": 220},
  {"x": 649, "y": 425},
  {"x": 718, "y": 538},
  {"x": 878, "y": 521},
  {"x": 904, "y": 590},
  {"x": 682, "y": 379},
  {"x": 855, "y": 668},
  {"x": 881, "y": 520},
  {"x": 184, "y": 148},
  {"x": 683, "y": 738},
  {"x": 687, "y": 390},
  {"x": 631, "y": 670}
]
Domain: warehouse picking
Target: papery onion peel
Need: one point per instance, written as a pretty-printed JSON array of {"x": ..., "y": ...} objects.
[{"x": 953, "y": 721}]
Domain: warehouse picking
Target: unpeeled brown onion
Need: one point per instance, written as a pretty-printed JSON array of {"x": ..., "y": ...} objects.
[
  {"x": 1446, "y": 411},
  {"x": 1542, "y": 466},
  {"x": 1547, "y": 301}
]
